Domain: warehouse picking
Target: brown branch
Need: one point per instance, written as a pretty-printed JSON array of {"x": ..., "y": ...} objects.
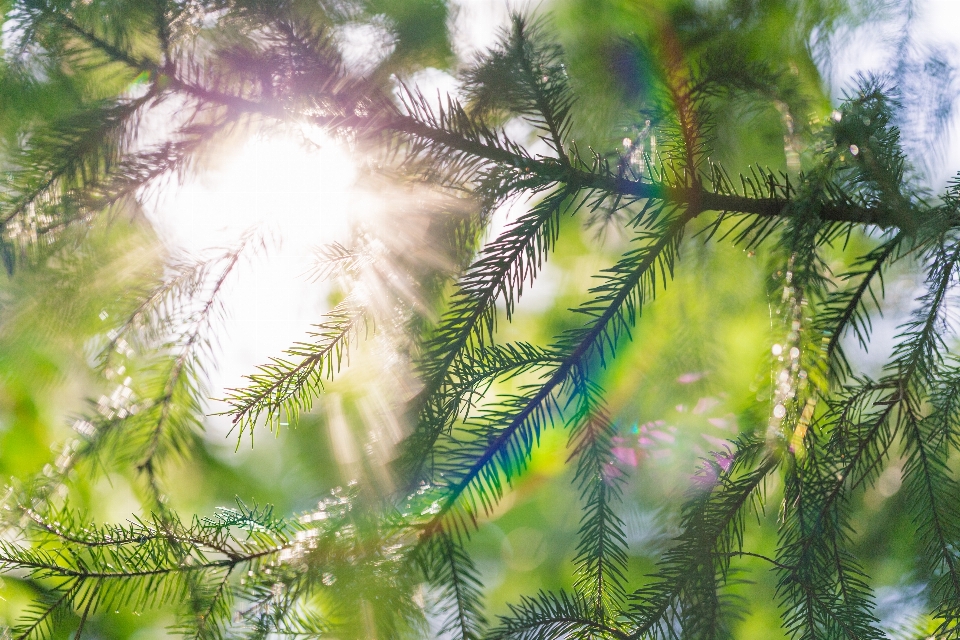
[{"x": 388, "y": 118}]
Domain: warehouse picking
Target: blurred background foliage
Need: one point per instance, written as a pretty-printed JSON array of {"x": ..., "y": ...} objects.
[{"x": 690, "y": 380}]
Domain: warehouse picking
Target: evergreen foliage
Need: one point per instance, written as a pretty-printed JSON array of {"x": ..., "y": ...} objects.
[{"x": 368, "y": 565}]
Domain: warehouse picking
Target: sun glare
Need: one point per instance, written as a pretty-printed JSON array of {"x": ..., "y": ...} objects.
[{"x": 299, "y": 190}]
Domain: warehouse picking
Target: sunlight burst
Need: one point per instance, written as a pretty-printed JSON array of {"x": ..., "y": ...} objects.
[{"x": 299, "y": 189}]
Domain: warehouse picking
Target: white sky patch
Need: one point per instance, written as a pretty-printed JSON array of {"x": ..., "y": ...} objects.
[
  {"x": 870, "y": 49},
  {"x": 940, "y": 24},
  {"x": 435, "y": 85},
  {"x": 475, "y": 25},
  {"x": 365, "y": 45}
]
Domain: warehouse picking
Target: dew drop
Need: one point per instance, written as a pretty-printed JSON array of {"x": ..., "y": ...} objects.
[
  {"x": 854, "y": 149},
  {"x": 794, "y": 353},
  {"x": 627, "y": 142},
  {"x": 837, "y": 116},
  {"x": 779, "y": 411},
  {"x": 777, "y": 349}
]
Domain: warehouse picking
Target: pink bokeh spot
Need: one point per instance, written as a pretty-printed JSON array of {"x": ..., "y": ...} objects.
[{"x": 625, "y": 455}]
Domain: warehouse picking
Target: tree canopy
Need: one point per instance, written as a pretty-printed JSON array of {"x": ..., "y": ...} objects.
[{"x": 712, "y": 452}]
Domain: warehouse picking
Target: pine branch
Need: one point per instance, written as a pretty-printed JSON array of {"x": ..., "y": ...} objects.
[
  {"x": 524, "y": 74},
  {"x": 114, "y": 51},
  {"x": 713, "y": 520},
  {"x": 849, "y": 308},
  {"x": 143, "y": 565},
  {"x": 477, "y": 146},
  {"x": 601, "y": 558},
  {"x": 144, "y": 420},
  {"x": 917, "y": 362},
  {"x": 506, "y": 265},
  {"x": 334, "y": 260},
  {"x": 553, "y": 615},
  {"x": 862, "y": 424},
  {"x": 71, "y": 154},
  {"x": 47, "y": 566},
  {"x": 610, "y": 183},
  {"x": 161, "y": 306},
  {"x": 934, "y": 492},
  {"x": 447, "y": 565},
  {"x": 53, "y": 214},
  {"x": 286, "y": 387},
  {"x": 140, "y": 576},
  {"x": 68, "y": 529},
  {"x": 823, "y": 589},
  {"x": 695, "y": 197},
  {"x": 46, "y": 615},
  {"x": 187, "y": 363},
  {"x": 211, "y": 610},
  {"x": 505, "y": 435}
]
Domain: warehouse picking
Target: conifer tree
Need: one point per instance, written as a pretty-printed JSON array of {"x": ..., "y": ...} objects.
[{"x": 398, "y": 563}]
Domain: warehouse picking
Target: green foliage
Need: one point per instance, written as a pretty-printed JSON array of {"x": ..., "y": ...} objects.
[{"x": 392, "y": 555}]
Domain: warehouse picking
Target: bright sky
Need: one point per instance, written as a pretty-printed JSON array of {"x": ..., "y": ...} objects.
[
  {"x": 934, "y": 26},
  {"x": 306, "y": 195},
  {"x": 302, "y": 197}
]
